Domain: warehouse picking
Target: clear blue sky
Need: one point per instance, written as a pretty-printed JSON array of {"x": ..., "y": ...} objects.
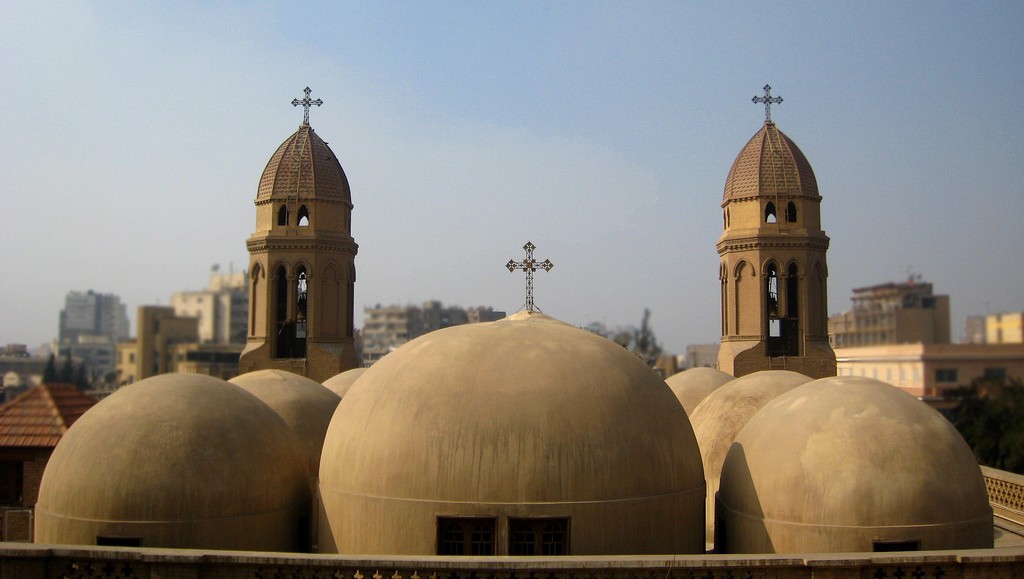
[{"x": 132, "y": 137}]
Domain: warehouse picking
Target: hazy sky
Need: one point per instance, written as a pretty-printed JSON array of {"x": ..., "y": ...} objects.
[{"x": 133, "y": 136}]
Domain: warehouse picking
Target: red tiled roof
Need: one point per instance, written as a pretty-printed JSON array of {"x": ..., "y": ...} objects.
[{"x": 40, "y": 416}]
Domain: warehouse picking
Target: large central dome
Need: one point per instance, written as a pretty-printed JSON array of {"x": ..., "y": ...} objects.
[
  {"x": 304, "y": 166},
  {"x": 770, "y": 164},
  {"x": 519, "y": 418}
]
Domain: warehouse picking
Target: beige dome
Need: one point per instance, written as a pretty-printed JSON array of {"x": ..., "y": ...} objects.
[
  {"x": 723, "y": 413},
  {"x": 770, "y": 164},
  {"x": 523, "y": 417},
  {"x": 850, "y": 464},
  {"x": 177, "y": 460},
  {"x": 305, "y": 406},
  {"x": 304, "y": 166},
  {"x": 340, "y": 383},
  {"x": 693, "y": 385}
]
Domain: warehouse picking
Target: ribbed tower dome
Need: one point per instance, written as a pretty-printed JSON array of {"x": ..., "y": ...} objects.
[
  {"x": 770, "y": 164},
  {"x": 304, "y": 166}
]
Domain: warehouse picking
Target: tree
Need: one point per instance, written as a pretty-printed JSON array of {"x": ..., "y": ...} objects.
[
  {"x": 645, "y": 344},
  {"x": 990, "y": 416},
  {"x": 66, "y": 373},
  {"x": 50, "y": 372}
]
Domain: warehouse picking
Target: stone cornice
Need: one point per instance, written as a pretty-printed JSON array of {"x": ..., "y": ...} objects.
[
  {"x": 745, "y": 243},
  {"x": 319, "y": 244}
]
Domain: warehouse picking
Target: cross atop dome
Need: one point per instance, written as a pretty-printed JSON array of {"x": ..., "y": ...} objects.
[
  {"x": 306, "y": 103},
  {"x": 767, "y": 99}
]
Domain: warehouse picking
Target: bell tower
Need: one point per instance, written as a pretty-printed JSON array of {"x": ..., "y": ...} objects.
[
  {"x": 302, "y": 261},
  {"x": 772, "y": 269}
]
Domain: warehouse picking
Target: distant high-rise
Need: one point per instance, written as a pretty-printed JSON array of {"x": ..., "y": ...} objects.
[{"x": 93, "y": 314}]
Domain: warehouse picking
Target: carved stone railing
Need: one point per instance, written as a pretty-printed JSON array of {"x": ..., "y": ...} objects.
[
  {"x": 1005, "y": 493},
  {"x": 42, "y": 562}
]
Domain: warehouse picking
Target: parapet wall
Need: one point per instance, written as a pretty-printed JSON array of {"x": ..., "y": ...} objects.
[
  {"x": 27, "y": 561},
  {"x": 1005, "y": 494}
]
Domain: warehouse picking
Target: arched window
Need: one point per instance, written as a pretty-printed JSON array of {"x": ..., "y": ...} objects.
[
  {"x": 303, "y": 216},
  {"x": 791, "y": 212},
  {"x": 769, "y": 213},
  {"x": 771, "y": 281},
  {"x": 282, "y": 215},
  {"x": 792, "y": 292}
]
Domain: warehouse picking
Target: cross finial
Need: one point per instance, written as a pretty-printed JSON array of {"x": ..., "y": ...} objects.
[
  {"x": 768, "y": 101},
  {"x": 306, "y": 103},
  {"x": 529, "y": 265}
]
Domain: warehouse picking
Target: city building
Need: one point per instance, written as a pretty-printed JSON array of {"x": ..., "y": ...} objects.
[
  {"x": 302, "y": 269},
  {"x": 773, "y": 272},
  {"x": 221, "y": 310},
  {"x": 31, "y": 425},
  {"x": 701, "y": 355},
  {"x": 19, "y": 370},
  {"x": 1004, "y": 328},
  {"x": 93, "y": 314},
  {"x": 91, "y": 324},
  {"x": 930, "y": 371},
  {"x": 159, "y": 329},
  {"x": 388, "y": 327},
  {"x": 892, "y": 313}
]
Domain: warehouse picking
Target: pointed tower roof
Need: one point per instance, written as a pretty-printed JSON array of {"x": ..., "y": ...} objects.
[
  {"x": 304, "y": 166},
  {"x": 40, "y": 416},
  {"x": 770, "y": 164}
]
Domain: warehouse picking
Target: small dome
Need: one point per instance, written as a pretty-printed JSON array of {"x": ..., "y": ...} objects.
[
  {"x": 692, "y": 385},
  {"x": 723, "y": 413},
  {"x": 305, "y": 406},
  {"x": 770, "y": 164},
  {"x": 521, "y": 418},
  {"x": 179, "y": 461},
  {"x": 304, "y": 166},
  {"x": 849, "y": 464},
  {"x": 340, "y": 383}
]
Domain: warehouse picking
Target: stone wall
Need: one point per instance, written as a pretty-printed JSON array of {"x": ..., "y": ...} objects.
[{"x": 43, "y": 562}]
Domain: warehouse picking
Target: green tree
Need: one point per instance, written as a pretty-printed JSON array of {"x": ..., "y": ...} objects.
[
  {"x": 50, "y": 372},
  {"x": 645, "y": 344},
  {"x": 990, "y": 416}
]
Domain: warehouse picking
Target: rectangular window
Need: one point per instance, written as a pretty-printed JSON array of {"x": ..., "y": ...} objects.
[
  {"x": 946, "y": 375},
  {"x": 465, "y": 535},
  {"x": 539, "y": 536},
  {"x": 12, "y": 480},
  {"x": 892, "y": 546},
  {"x": 995, "y": 373},
  {"x": 118, "y": 541}
]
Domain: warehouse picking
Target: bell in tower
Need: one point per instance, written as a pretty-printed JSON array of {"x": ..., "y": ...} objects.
[
  {"x": 772, "y": 260},
  {"x": 302, "y": 261}
]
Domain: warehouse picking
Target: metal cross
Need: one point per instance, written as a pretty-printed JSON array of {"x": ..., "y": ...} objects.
[
  {"x": 306, "y": 103},
  {"x": 768, "y": 101},
  {"x": 529, "y": 265}
]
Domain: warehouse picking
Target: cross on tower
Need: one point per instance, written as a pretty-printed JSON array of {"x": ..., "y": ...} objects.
[
  {"x": 306, "y": 103},
  {"x": 529, "y": 265},
  {"x": 768, "y": 101}
]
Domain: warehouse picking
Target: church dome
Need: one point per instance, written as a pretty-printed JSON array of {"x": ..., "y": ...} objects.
[
  {"x": 849, "y": 464},
  {"x": 305, "y": 406},
  {"x": 525, "y": 418},
  {"x": 770, "y": 164},
  {"x": 178, "y": 461},
  {"x": 723, "y": 413},
  {"x": 691, "y": 386},
  {"x": 340, "y": 383},
  {"x": 304, "y": 166}
]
